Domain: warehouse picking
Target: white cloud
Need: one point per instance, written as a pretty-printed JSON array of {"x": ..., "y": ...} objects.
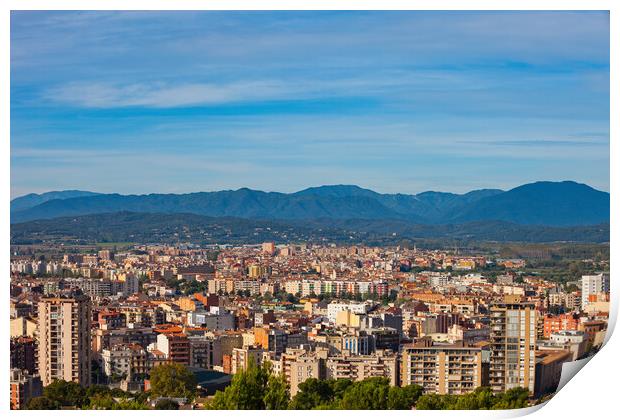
[{"x": 158, "y": 95}]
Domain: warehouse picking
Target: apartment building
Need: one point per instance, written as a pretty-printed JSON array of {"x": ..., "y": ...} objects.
[
  {"x": 128, "y": 361},
  {"x": 64, "y": 339},
  {"x": 175, "y": 346},
  {"x": 299, "y": 364},
  {"x": 562, "y": 322},
  {"x": 201, "y": 352},
  {"x": 444, "y": 369},
  {"x": 24, "y": 387},
  {"x": 358, "y": 342},
  {"x": 243, "y": 357},
  {"x": 513, "y": 344},
  {"x": 23, "y": 354},
  {"x": 381, "y": 364},
  {"x": 354, "y": 307},
  {"x": 593, "y": 285}
]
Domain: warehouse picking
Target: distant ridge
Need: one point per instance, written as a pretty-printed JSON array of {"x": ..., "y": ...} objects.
[
  {"x": 564, "y": 203},
  {"x": 30, "y": 200}
]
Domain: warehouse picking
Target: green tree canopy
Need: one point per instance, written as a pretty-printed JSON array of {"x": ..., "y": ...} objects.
[
  {"x": 369, "y": 394},
  {"x": 481, "y": 399},
  {"x": 66, "y": 393},
  {"x": 513, "y": 398},
  {"x": 403, "y": 398},
  {"x": 254, "y": 388},
  {"x": 312, "y": 393},
  {"x": 42, "y": 403},
  {"x": 172, "y": 380},
  {"x": 277, "y": 396}
]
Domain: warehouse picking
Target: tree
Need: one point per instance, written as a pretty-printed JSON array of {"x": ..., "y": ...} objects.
[
  {"x": 66, "y": 393},
  {"x": 369, "y": 394},
  {"x": 481, "y": 399},
  {"x": 312, "y": 393},
  {"x": 97, "y": 389},
  {"x": 403, "y": 398},
  {"x": 245, "y": 391},
  {"x": 277, "y": 396},
  {"x": 320, "y": 394},
  {"x": 42, "y": 403},
  {"x": 254, "y": 388},
  {"x": 132, "y": 405},
  {"x": 172, "y": 380},
  {"x": 513, "y": 398},
  {"x": 339, "y": 386},
  {"x": 431, "y": 402},
  {"x": 106, "y": 401},
  {"x": 166, "y": 404}
]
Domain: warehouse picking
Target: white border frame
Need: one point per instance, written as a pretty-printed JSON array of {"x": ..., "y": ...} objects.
[{"x": 590, "y": 394}]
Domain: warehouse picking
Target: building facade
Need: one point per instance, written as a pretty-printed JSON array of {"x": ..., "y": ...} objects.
[
  {"x": 64, "y": 339},
  {"x": 513, "y": 344},
  {"x": 443, "y": 369}
]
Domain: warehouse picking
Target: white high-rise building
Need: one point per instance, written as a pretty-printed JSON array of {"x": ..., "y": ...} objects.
[{"x": 592, "y": 285}]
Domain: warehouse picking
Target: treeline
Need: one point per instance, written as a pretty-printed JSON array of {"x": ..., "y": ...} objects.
[
  {"x": 257, "y": 389},
  {"x": 481, "y": 399},
  {"x": 175, "y": 227},
  {"x": 167, "y": 381},
  {"x": 63, "y": 394}
]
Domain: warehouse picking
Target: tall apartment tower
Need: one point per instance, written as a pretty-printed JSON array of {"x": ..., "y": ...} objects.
[
  {"x": 64, "y": 339},
  {"x": 513, "y": 344}
]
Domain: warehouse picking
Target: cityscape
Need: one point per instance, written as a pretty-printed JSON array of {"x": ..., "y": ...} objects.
[
  {"x": 426, "y": 322},
  {"x": 306, "y": 210}
]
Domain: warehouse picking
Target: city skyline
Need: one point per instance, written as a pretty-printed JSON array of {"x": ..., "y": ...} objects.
[{"x": 140, "y": 102}]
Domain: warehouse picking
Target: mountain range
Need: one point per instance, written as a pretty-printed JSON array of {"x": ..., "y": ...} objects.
[
  {"x": 558, "y": 204},
  {"x": 30, "y": 200}
]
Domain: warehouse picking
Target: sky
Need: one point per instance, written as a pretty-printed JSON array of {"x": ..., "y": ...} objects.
[{"x": 143, "y": 102}]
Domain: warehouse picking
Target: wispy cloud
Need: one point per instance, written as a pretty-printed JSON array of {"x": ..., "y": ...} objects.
[
  {"x": 97, "y": 95},
  {"x": 161, "y": 94}
]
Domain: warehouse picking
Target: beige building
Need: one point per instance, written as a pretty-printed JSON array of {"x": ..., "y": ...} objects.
[
  {"x": 242, "y": 357},
  {"x": 513, "y": 344},
  {"x": 304, "y": 367},
  {"x": 298, "y": 365},
  {"x": 443, "y": 369},
  {"x": 348, "y": 319},
  {"x": 64, "y": 339},
  {"x": 23, "y": 326},
  {"x": 381, "y": 364}
]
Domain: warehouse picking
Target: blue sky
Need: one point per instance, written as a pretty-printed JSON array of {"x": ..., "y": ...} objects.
[{"x": 140, "y": 102}]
